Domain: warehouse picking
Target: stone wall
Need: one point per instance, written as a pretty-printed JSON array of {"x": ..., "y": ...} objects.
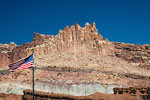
[
  {"x": 132, "y": 93},
  {"x": 143, "y": 92},
  {"x": 50, "y": 96}
]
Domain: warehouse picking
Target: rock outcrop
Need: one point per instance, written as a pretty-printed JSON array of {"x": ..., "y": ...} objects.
[
  {"x": 5, "y": 52},
  {"x": 136, "y": 54},
  {"x": 76, "y": 56},
  {"x": 78, "y": 47},
  {"x": 143, "y": 92},
  {"x": 74, "y": 39}
]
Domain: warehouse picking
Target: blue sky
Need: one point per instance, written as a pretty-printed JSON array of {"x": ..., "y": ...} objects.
[{"x": 118, "y": 20}]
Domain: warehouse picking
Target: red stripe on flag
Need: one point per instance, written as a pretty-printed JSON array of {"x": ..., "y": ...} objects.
[{"x": 23, "y": 66}]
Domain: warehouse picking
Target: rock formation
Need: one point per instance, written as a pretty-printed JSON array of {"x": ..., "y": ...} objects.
[
  {"x": 78, "y": 56},
  {"x": 136, "y": 54},
  {"x": 74, "y": 39},
  {"x": 5, "y": 52}
]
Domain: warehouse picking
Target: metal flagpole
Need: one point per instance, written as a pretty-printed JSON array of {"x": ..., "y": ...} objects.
[
  {"x": 33, "y": 83},
  {"x": 33, "y": 73}
]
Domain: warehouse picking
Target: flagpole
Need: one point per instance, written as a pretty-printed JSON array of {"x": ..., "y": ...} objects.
[
  {"x": 33, "y": 83},
  {"x": 33, "y": 73}
]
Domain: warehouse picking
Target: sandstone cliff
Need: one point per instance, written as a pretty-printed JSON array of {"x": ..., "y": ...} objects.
[
  {"x": 5, "y": 52},
  {"x": 75, "y": 39},
  {"x": 136, "y": 54},
  {"x": 77, "y": 56}
]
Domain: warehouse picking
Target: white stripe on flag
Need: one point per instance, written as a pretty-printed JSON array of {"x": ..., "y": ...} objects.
[{"x": 26, "y": 66}]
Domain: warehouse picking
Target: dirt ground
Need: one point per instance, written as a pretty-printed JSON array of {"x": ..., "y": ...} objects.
[{"x": 10, "y": 97}]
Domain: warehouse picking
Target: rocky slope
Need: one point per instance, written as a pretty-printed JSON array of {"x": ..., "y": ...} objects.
[
  {"x": 78, "y": 56},
  {"x": 74, "y": 39},
  {"x": 137, "y": 54}
]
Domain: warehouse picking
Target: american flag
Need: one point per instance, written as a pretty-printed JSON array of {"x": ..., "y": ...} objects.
[{"x": 22, "y": 64}]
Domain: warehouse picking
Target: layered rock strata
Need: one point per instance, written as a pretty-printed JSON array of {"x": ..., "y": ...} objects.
[
  {"x": 143, "y": 92},
  {"x": 77, "y": 56},
  {"x": 5, "y": 53},
  {"x": 136, "y": 54},
  {"x": 74, "y": 39}
]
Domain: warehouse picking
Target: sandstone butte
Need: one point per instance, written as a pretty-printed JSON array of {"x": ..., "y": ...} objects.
[
  {"x": 76, "y": 40},
  {"x": 78, "y": 55}
]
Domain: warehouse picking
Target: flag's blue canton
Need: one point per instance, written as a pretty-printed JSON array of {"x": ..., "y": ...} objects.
[{"x": 28, "y": 59}]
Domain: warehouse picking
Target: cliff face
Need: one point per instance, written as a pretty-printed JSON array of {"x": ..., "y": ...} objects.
[
  {"x": 5, "y": 52},
  {"x": 137, "y": 54},
  {"x": 76, "y": 40},
  {"x": 77, "y": 56}
]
